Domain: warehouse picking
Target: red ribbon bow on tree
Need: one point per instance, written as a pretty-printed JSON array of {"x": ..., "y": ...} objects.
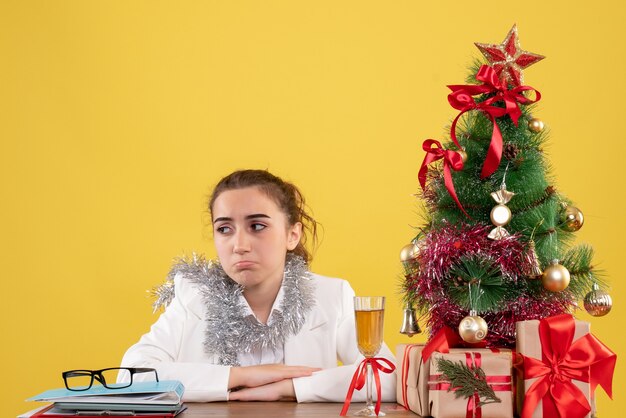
[
  {"x": 451, "y": 159},
  {"x": 358, "y": 380},
  {"x": 586, "y": 360},
  {"x": 461, "y": 99}
]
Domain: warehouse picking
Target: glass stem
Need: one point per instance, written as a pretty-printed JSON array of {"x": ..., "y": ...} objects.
[{"x": 369, "y": 403}]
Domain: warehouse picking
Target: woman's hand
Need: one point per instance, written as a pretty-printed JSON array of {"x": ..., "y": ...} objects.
[
  {"x": 277, "y": 391},
  {"x": 255, "y": 376}
]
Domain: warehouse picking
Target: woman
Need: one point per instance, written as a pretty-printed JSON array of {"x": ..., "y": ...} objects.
[{"x": 258, "y": 325}]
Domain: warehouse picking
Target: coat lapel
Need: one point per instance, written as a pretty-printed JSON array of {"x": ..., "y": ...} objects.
[{"x": 306, "y": 347}]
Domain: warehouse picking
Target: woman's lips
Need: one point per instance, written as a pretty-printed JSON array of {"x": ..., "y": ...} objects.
[{"x": 241, "y": 265}]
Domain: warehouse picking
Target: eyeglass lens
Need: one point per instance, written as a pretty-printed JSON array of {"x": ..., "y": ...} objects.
[
  {"x": 108, "y": 378},
  {"x": 83, "y": 379},
  {"x": 78, "y": 379}
]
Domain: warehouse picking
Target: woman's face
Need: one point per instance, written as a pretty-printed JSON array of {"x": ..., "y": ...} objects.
[{"x": 252, "y": 236}]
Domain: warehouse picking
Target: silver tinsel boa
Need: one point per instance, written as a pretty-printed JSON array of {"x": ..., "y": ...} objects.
[{"x": 230, "y": 330}]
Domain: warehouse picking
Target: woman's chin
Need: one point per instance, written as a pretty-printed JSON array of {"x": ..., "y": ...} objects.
[{"x": 246, "y": 278}]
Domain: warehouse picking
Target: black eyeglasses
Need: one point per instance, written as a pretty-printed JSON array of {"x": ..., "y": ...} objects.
[{"x": 78, "y": 380}]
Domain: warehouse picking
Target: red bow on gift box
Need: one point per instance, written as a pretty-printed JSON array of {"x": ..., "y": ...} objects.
[
  {"x": 461, "y": 99},
  {"x": 442, "y": 342},
  {"x": 586, "y": 360},
  {"x": 445, "y": 339}
]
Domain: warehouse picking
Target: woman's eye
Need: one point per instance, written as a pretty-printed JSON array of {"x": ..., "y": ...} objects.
[
  {"x": 258, "y": 227},
  {"x": 223, "y": 229}
]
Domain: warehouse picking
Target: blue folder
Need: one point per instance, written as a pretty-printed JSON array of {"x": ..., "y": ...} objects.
[{"x": 167, "y": 392}]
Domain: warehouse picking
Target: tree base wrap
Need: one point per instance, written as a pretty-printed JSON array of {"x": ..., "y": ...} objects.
[
  {"x": 560, "y": 355},
  {"x": 497, "y": 365},
  {"x": 412, "y": 387},
  {"x": 360, "y": 376}
]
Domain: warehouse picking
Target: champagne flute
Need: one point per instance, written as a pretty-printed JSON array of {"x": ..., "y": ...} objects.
[{"x": 369, "y": 314}]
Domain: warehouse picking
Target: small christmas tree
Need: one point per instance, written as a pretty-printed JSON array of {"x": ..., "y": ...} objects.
[{"x": 496, "y": 244}]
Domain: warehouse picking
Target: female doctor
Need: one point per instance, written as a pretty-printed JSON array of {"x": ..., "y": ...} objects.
[{"x": 257, "y": 326}]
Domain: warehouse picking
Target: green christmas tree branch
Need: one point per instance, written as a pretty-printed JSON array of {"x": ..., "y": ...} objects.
[
  {"x": 476, "y": 284},
  {"x": 577, "y": 260}
]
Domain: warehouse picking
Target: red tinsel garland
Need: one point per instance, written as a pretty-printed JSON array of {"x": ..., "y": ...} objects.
[{"x": 441, "y": 250}]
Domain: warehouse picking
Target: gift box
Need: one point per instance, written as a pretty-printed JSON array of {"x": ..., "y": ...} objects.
[
  {"x": 561, "y": 364},
  {"x": 412, "y": 387},
  {"x": 497, "y": 368},
  {"x": 421, "y": 389}
]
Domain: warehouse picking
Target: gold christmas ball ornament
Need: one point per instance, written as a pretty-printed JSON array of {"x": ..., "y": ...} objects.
[
  {"x": 573, "y": 219},
  {"x": 535, "y": 125},
  {"x": 409, "y": 252},
  {"x": 473, "y": 329},
  {"x": 555, "y": 277},
  {"x": 463, "y": 155},
  {"x": 598, "y": 302},
  {"x": 500, "y": 215}
]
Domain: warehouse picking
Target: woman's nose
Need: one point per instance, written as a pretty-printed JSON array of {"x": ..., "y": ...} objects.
[{"x": 241, "y": 244}]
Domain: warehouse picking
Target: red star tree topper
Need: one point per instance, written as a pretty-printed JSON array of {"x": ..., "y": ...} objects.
[{"x": 508, "y": 59}]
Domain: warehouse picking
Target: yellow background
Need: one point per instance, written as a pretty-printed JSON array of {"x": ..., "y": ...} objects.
[{"x": 117, "y": 117}]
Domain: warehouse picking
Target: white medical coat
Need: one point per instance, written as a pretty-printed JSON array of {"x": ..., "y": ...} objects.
[{"x": 174, "y": 347}]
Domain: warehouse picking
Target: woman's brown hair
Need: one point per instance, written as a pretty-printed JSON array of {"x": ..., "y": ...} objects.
[{"x": 286, "y": 195}]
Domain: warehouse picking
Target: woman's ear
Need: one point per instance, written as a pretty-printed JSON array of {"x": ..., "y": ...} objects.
[{"x": 294, "y": 233}]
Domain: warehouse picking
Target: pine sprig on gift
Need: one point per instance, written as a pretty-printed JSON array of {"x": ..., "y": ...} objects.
[{"x": 467, "y": 380}]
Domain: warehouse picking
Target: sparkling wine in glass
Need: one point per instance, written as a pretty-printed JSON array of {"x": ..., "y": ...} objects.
[{"x": 369, "y": 312}]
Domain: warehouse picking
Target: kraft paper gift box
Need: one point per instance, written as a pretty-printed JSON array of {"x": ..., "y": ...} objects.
[
  {"x": 412, "y": 387},
  {"x": 528, "y": 343},
  {"x": 497, "y": 365}
]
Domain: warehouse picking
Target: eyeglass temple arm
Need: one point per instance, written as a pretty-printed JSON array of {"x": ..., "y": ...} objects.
[{"x": 145, "y": 370}]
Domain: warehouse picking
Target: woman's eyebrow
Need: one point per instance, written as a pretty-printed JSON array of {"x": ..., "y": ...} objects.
[
  {"x": 258, "y": 215},
  {"x": 222, "y": 219},
  {"x": 253, "y": 216}
]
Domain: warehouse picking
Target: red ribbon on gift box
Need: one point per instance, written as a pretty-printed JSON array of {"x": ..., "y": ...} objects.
[
  {"x": 497, "y": 383},
  {"x": 461, "y": 99},
  {"x": 587, "y": 360},
  {"x": 405, "y": 373},
  {"x": 360, "y": 376}
]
